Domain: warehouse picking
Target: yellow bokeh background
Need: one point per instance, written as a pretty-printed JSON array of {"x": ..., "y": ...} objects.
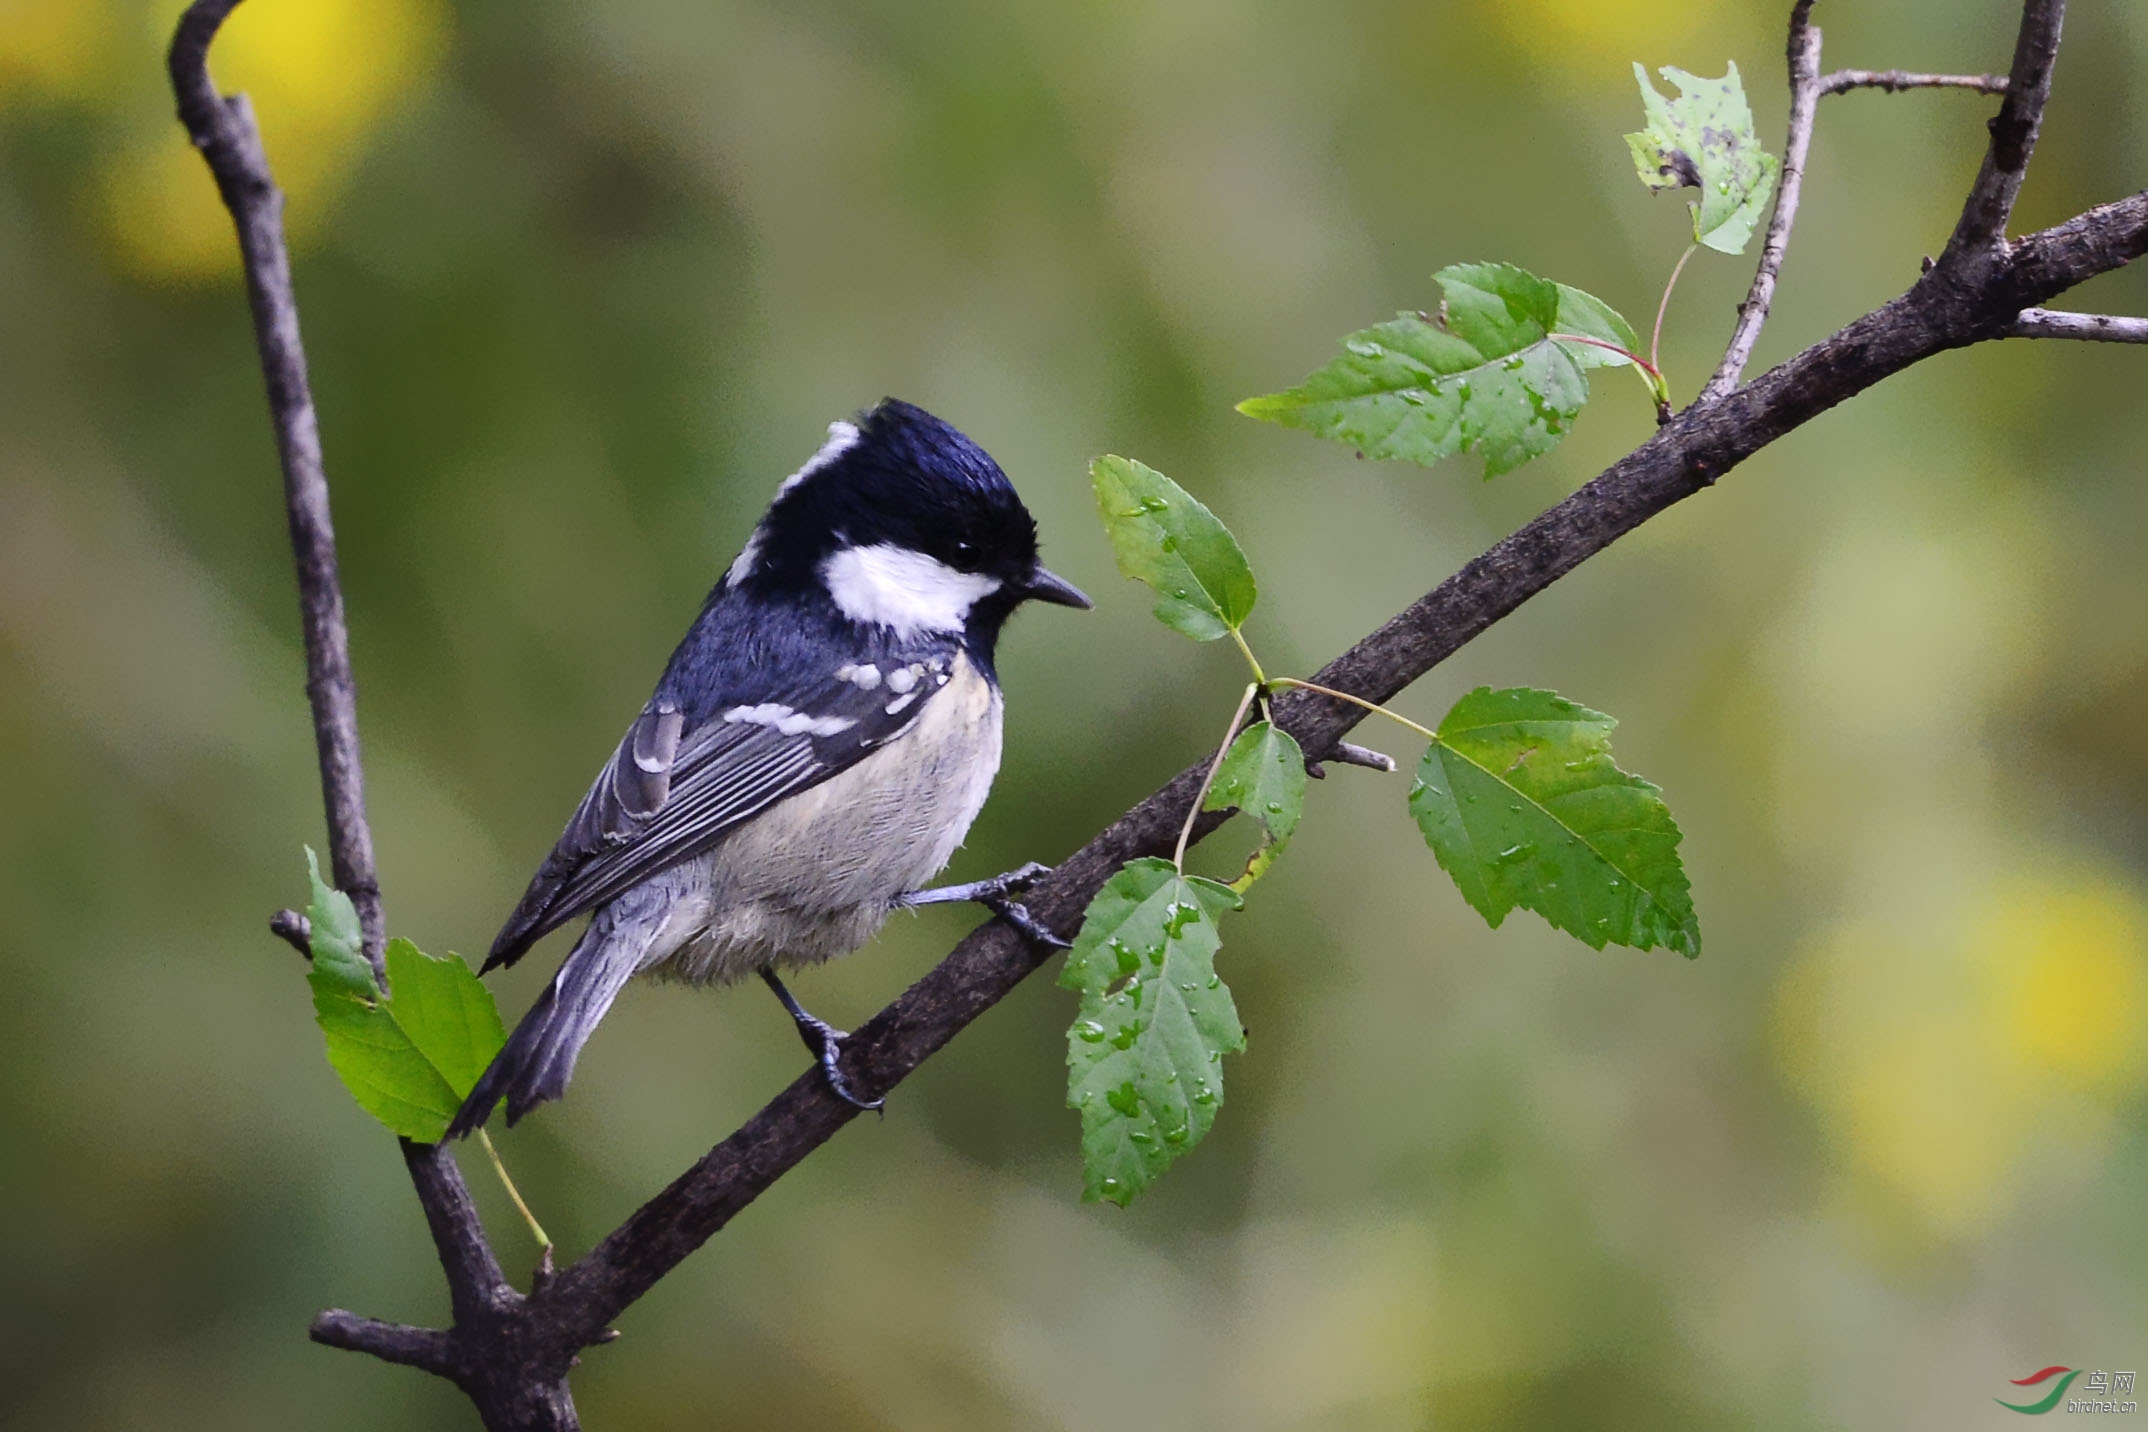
[
  {"x": 322, "y": 75},
  {"x": 1949, "y": 1060}
]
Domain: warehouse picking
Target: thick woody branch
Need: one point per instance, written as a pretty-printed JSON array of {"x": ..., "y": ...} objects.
[
  {"x": 511, "y": 1354},
  {"x": 1699, "y": 446},
  {"x": 1981, "y": 230},
  {"x": 1895, "y": 81},
  {"x": 1804, "y": 54},
  {"x": 2085, "y": 327}
]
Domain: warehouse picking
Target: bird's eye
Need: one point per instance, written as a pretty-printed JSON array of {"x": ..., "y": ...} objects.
[{"x": 965, "y": 550}]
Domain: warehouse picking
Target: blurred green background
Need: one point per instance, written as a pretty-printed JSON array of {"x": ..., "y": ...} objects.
[{"x": 582, "y": 281}]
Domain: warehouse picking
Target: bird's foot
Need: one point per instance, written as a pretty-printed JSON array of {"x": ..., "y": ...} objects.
[
  {"x": 993, "y": 894},
  {"x": 825, "y": 1042}
]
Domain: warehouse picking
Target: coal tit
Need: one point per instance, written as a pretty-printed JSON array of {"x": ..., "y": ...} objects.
[{"x": 814, "y": 753}]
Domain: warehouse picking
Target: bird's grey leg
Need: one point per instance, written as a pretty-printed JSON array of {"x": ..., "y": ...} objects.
[
  {"x": 824, "y": 1040},
  {"x": 992, "y": 894}
]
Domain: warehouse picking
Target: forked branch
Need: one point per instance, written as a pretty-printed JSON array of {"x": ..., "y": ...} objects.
[{"x": 511, "y": 1353}]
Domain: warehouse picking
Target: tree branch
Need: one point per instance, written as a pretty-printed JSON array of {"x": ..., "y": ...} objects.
[
  {"x": 1699, "y": 446},
  {"x": 224, "y": 131},
  {"x": 1804, "y": 54},
  {"x": 1981, "y": 231},
  {"x": 2087, "y": 327},
  {"x": 425, "y": 1348},
  {"x": 1894, "y": 81},
  {"x": 511, "y": 1354}
]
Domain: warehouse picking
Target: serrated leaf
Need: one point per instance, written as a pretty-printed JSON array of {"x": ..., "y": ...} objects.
[
  {"x": 411, "y": 1056},
  {"x": 1263, "y": 774},
  {"x": 1144, "y": 1057},
  {"x": 1522, "y": 805},
  {"x": 1485, "y": 376},
  {"x": 1161, "y": 535},
  {"x": 1704, "y": 139},
  {"x": 338, "y": 946}
]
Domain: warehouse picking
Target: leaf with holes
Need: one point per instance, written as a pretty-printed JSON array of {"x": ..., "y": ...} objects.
[
  {"x": 410, "y": 1057},
  {"x": 1162, "y": 536},
  {"x": 1704, "y": 139},
  {"x": 1522, "y": 805},
  {"x": 1263, "y": 774},
  {"x": 1489, "y": 374},
  {"x": 1145, "y": 1055}
]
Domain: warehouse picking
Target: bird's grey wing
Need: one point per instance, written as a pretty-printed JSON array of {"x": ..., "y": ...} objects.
[{"x": 671, "y": 790}]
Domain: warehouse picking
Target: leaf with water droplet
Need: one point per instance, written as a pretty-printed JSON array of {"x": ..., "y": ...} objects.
[
  {"x": 1491, "y": 378},
  {"x": 1263, "y": 774},
  {"x": 1146, "y": 1117},
  {"x": 1561, "y": 830},
  {"x": 409, "y": 1055},
  {"x": 1162, "y": 536},
  {"x": 1704, "y": 139}
]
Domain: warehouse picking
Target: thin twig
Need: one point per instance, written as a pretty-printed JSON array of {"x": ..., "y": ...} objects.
[
  {"x": 1894, "y": 81},
  {"x": 1981, "y": 231},
  {"x": 1349, "y": 753},
  {"x": 2086, "y": 327},
  {"x": 294, "y": 930},
  {"x": 426, "y": 1348},
  {"x": 223, "y": 130},
  {"x": 1804, "y": 53}
]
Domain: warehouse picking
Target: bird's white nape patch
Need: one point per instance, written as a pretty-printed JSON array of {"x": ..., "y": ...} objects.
[
  {"x": 842, "y": 437},
  {"x": 902, "y": 589}
]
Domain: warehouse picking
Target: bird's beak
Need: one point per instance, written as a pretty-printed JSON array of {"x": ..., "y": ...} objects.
[{"x": 1046, "y": 586}]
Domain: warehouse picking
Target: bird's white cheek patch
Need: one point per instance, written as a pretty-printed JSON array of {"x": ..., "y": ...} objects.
[{"x": 903, "y": 589}]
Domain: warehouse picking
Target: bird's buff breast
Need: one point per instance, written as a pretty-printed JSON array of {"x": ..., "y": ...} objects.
[{"x": 814, "y": 875}]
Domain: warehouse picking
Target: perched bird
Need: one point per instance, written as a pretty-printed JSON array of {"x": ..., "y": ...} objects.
[{"x": 814, "y": 753}]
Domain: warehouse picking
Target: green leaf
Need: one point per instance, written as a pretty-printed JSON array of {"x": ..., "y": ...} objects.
[
  {"x": 338, "y": 946},
  {"x": 1704, "y": 140},
  {"x": 1162, "y": 536},
  {"x": 410, "y": 1059},
  {"x": 1522, "y": 805},
  {"x": 1263, "y": 774},
  {"x": 1584, "y": 313},
  {"x": 1144, "y": 1056},
  {"x": 1485, "y": 375}
]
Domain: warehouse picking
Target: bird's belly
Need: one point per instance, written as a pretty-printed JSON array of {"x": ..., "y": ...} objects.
[{"x": 813, "y": 876}]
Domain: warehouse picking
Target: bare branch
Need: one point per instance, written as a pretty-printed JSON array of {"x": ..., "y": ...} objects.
[
  {"x": 1981, "y": 231},
  {"x": 294, "y": 930},
  {"x": 223, "y": 130},
  {"x": 426, "y": 1348},
  {"x": 1349, "y": 753},
  {"x": 1895, "y": 81},
  {"x": 2086, "y": 327},
  {"x": 1804, "y": 53}
]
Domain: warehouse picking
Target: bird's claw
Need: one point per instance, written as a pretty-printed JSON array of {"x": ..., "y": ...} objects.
[
  {"x": 1015, "y": 913},
  {"x": 830, "y": 1054}
]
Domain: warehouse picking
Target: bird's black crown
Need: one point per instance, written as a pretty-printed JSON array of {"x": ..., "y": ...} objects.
[{"x": 906, "y": 479}]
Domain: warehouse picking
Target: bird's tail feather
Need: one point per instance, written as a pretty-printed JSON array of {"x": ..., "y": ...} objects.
[{"x": 533, "y": 1067}]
